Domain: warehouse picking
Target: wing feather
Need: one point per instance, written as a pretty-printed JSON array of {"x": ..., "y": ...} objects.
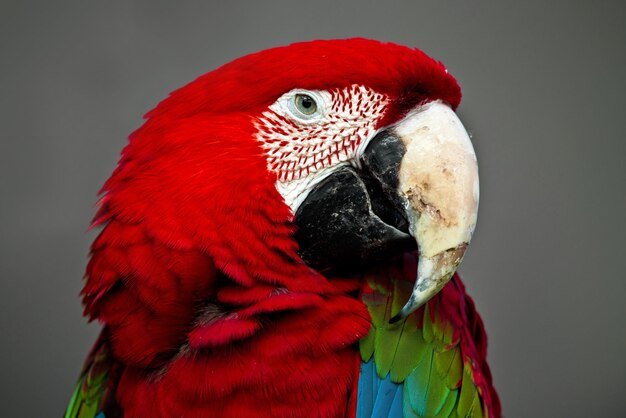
[
  {"x": 92, "y": 390},
  {"x": 432, "y": 364}
]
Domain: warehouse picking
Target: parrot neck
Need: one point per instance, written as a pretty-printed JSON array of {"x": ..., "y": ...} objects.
[
  {"x": 282, "y": 350},
  {"x": 187, "y": 337}
]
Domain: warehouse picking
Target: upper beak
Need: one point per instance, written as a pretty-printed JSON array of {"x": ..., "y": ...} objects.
[{"x": 437, "y": 186}]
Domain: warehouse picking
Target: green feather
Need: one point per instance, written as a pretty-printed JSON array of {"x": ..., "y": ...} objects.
[
  {"x": 437, "y": 327},
  {"x": 92, "y": 387},
  {"x": 448, "y": 407},
  {"x": 444, "y": 361},
  {"x": 85, "y": 401},
  {"x": 367, "y": 345},
  {"x": 428, "y": 326},
  {"x": 467, "y": 396},
  {"x": 455, "y": 371},
  {"x": 407, "y": 355},
  {"x": 477, "y": 408},
  {"x": 385, "y": 346},
  {"x": 420, "y": 351}
]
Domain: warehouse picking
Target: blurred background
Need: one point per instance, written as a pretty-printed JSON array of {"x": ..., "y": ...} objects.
[{"x": 544, "y": 85}]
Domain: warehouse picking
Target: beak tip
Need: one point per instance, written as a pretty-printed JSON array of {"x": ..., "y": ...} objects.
[
  {"x": 395, "y": 319},
  {"x": 409, "y": 307},
  {"x": 433, "y": 274}
]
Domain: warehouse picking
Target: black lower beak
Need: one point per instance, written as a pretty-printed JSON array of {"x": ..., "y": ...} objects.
[{"x": 355, "y": 216}]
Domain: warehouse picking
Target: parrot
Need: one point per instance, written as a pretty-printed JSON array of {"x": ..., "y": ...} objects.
[{"x": 280, "y": 238}]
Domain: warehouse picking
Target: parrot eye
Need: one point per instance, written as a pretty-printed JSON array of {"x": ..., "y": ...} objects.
[{"x": 305, "y": 104}]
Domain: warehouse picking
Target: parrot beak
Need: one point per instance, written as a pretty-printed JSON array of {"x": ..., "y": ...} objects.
[
  {"x": 438, "y": 186},
  {"x": 415, "y": 186}
]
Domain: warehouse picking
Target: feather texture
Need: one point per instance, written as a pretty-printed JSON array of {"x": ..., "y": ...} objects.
[
  {"x": 93, "y": 389},
  {"x": 378, "y": 398},
  {"x": 436, "y": 355}
]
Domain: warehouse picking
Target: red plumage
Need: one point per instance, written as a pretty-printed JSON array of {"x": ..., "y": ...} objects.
[{"x": 207, "y": 307}]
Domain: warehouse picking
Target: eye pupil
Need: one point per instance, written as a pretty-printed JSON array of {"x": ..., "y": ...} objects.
[{"x": 305, "y": 104}]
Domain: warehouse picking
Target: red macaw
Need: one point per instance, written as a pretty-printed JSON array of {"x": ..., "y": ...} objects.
[{"x": 280, "y": 239}]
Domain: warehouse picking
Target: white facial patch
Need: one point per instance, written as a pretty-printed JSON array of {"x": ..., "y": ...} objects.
[
  {"x": 294, "y": 192},
  {"x": 300, "y": 148}
]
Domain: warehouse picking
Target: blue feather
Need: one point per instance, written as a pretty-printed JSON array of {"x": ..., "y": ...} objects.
[
  {"x": 396, "y": 408},
  {"x": 377, "y": 398},
  {"x": 365, "y": 398},
  {"x": 387, "y": 391}
]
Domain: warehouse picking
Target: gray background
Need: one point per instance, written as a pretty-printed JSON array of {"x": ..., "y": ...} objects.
[{"x": 544, "y": 86}]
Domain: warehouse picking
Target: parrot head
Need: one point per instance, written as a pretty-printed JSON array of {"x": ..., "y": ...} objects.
[{"x": 305, "y": 159}]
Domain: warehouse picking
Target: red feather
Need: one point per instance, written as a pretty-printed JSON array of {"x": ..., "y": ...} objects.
[{"x": 220, "y": 331}]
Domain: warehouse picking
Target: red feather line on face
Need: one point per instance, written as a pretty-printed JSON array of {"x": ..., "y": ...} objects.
[
  {"x": 297, "y": 150},
  {"x": 192, "y": 217}
]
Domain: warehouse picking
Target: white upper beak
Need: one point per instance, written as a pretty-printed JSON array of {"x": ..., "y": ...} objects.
[{"x": 438, "y": 182}]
